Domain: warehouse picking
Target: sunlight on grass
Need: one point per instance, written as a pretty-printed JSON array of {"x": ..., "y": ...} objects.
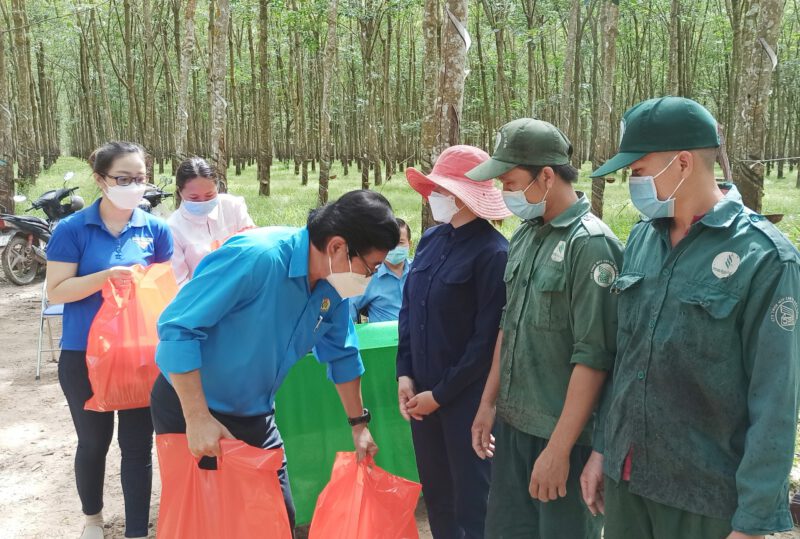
[{"x": 290, "y": 202}]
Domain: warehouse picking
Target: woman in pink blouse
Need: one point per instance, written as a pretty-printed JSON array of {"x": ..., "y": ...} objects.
[{"x": 205, "y": 218}]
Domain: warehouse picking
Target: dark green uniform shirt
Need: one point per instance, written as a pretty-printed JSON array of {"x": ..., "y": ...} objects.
[
  {"x": 559, "y": 312},
  {"x": 705, "y": 384}
]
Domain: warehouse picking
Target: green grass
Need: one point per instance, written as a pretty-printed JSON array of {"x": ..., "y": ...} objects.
[{"x": 290, "y": 202}]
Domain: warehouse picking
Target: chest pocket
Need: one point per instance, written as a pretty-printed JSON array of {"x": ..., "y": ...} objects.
[
  {"x": 706, "y": 313},
  {"x": 551, "y": 305},
  {"x": 511, "y": 270},
  {"x": 457, "y": 275},
  {"x": 712, "y": 302},
  {"x": 626, "y": 286},
  {"x": 418, "y": 279}
]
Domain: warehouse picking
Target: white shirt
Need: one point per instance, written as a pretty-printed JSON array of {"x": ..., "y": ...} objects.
[{"x": 193, "y": 235}]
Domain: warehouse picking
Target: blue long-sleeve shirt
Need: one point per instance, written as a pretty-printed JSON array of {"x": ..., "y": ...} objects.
[
  {"x": 452, "y": 302},
  {"x": 248, "y": 315}
]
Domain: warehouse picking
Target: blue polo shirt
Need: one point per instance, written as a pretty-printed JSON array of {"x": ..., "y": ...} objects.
[
  {"x": 383, "y": 296},
  {"x": 248, "y": 315},
  {"x": 83, "y": 239}
]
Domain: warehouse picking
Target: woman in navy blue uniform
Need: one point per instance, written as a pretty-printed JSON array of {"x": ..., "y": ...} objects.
[
  {"x": 88, "y": 248},
  {"x": 448, "y": 326}
]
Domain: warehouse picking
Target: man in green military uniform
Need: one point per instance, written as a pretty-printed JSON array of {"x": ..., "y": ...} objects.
[
  {"x": 556, "y": 344},
  {"x": 700, "y": 421}
]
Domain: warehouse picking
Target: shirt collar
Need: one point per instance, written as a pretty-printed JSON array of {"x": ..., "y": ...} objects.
[
  {"x": 464, "y": 231},
  {"x": 578, "y": 209},
  {"x": 384, "y": 270},
  {"x": 726, "y": 210},
  {"x": 298, "y": 265},
  {"x": 138, "y": 218}
]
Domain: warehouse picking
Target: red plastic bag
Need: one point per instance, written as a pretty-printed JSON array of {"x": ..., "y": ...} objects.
[
  {"x": 120, "y": 353},
  {"x": 362, "y": 501},
  {"x": 239, "y": 500}
]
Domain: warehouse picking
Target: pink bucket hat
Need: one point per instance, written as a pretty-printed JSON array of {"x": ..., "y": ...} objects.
[{"x": 449, "y": 172}]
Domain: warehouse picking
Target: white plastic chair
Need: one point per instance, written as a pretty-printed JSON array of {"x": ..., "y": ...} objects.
[{"x": 47, "y": 312}]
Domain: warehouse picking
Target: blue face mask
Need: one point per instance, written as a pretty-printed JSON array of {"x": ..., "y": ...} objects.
[
  {"x": 397, "y": 255},
  {"x": 519, "y": 205},
  {"x": 200, "y": 208},
  {"x": 645, "y": 197}
]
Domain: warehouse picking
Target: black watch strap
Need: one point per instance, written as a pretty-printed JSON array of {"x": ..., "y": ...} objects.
[{"x": 360, "y": 420}]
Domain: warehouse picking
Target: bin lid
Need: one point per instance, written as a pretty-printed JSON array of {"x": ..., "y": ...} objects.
[{"x": 377, "y": 335}]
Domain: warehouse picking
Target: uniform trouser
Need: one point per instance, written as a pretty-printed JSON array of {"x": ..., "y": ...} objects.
[
  {"x": 455, "y": 482},
  {"x": 95, "y": 430},
  {"x": 629, "y": 515},
  {"x": 259, "y": 431},
  {"x": 513, "y": 514}
]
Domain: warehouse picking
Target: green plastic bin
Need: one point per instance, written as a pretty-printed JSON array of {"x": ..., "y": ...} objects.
[{"x": 314, "y": 426}]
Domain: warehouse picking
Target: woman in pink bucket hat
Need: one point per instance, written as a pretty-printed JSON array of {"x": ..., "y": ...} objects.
[{"x": 452, "y": 302}]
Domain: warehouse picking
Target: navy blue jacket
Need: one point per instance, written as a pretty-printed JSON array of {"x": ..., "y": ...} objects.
[{"x": 452, "y": 303}]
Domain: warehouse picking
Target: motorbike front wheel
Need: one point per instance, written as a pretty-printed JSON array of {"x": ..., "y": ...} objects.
[{"x": 19, "y": 261}]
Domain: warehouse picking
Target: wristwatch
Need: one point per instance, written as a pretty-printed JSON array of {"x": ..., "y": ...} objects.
[{"x": 364, "y": 418}]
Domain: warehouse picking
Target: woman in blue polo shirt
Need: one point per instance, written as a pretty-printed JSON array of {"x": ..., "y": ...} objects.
[{"x": 99, "y": 243}]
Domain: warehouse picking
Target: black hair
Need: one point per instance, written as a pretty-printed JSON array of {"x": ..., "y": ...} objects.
[
  {"x": 189, "y": 169},
  {"x": 363, "y": 218},
  {"x": 567, "y": 172},
  {"x": 402, "y": 224},
  {"x": 103, "y": 157}
]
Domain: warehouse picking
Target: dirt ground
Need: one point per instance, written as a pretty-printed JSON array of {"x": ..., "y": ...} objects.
[{"x": 37, "y": 440}]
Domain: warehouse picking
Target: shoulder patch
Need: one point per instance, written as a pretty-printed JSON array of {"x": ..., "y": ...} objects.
[
  {"x": 596, "y": 227},
  {"x": 786, "y": 251}
]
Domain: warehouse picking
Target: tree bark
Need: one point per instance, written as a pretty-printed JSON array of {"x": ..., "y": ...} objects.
[
  {"x": 182, "y": 112},
  {"x": 28, "y": 165},
  {"x": 217, "y": 68},
  {"x": 760, "y": 27},
  {"x": 328, "y": 70},
  {"x": 264, "y": 104},
  {"x": 604, "y": 147},
  {"x": 6, "y": 141}
]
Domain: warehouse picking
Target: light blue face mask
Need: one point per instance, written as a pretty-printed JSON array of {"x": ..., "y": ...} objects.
[
  {"x": 200, "y": 208},
  {"x": 645, "y": 197},
  {"x": 397, "y": 255},
  {"x": 519, "y": 205}
]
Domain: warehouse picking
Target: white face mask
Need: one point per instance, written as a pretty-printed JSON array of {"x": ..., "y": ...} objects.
[
  {"x": 347, "y": 284},
  {"x": 126, "y": 198},
  {"x": 443, "y": 208}
]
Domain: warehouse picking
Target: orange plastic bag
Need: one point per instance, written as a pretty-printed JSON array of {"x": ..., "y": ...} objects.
[
  {"x": 120, "y": 353},
  {"x": 362, "y": 501},
  {"x": 241, "y": 499}
]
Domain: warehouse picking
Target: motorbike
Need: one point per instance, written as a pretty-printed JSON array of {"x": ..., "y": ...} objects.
[
  {"x": 23, "y": 237},
  {"x": 153, "y": 197}
]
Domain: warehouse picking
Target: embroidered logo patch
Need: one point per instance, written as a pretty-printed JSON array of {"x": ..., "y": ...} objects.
[
  {"x": 604, "y": 273},
  {"x": 558, "y": 252},
  {"x": 143, "y": 242},
  {"x": 725, "y": 264},
  {"x": 326, "y": 305},
  {"x": 784, "y": 313}
]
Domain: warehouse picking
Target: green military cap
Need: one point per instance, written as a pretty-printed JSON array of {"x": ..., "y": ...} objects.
[
  {"x": 661, "y": 125},
  {"x": 524, "y": 142}
]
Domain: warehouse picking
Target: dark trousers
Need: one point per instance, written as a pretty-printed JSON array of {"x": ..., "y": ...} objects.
[
  {"x": 258, "y": 431},
  {"x": 513, "y": 514},
  {"x": 455, "y": 482},
  {"x": 95, "y": 430},
  {"x": 631, "y": 515}
]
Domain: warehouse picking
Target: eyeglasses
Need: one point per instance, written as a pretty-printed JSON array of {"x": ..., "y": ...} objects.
[
  {"x": 124, "y": 181},
  {"x": 370, "y": 271}
]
